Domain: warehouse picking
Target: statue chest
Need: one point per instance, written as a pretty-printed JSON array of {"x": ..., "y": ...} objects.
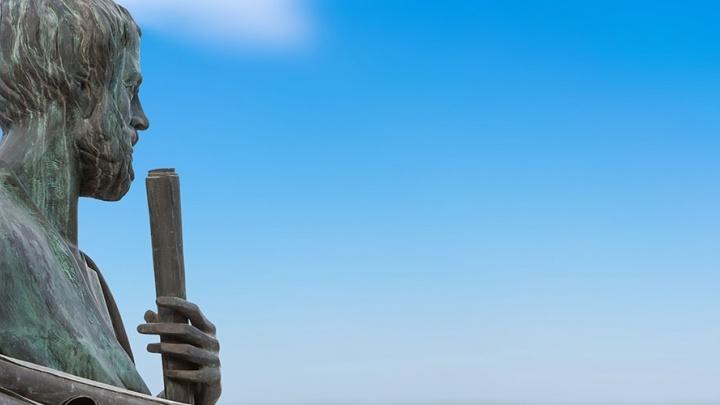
[{"x": 49, "y": 314}]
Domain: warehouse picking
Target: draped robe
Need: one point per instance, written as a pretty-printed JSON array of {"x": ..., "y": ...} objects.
[{"x": 48, "y": 313}]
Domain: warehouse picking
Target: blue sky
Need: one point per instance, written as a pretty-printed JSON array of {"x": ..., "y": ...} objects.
[{"x": 436, "y": 201}]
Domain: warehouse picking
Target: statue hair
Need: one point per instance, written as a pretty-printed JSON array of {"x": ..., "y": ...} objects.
[{"x": 58, "y": 51}]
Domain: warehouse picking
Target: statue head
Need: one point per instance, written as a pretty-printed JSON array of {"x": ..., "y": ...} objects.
[{"x": 76, "y": 60}]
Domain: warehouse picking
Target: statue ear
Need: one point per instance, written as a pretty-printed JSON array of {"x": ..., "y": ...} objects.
[{"x": 84, "y": 98}]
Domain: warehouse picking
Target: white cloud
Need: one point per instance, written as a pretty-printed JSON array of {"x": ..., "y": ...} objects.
[{"x": 264, "y": 23}]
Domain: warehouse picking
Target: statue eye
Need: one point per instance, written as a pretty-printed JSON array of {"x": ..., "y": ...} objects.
[
  {"x": 132, "y": 88},
  {"x": 132, "y": 83}
]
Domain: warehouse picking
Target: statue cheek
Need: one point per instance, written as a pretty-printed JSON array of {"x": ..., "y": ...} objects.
[
  {"x": 113, "y": 123},
  {"x": 120, "y": 109}
]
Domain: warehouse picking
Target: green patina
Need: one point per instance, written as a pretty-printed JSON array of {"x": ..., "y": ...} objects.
[{"x": 69, "y": 111}]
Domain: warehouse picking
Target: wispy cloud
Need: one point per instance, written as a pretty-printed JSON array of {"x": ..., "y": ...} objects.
[{"x": 263, "y": 23}]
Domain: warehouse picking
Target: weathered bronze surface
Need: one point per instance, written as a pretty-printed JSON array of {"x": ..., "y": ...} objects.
[
  {"x": 163, "y": 192},
  {"x": 70, "y": 116},
  {"x": 21, "y": 380}
]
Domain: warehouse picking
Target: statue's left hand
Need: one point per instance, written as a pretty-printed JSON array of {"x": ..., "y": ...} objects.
[{"x": 200, "y": 347}]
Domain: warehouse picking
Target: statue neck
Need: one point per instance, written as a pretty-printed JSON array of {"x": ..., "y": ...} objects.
[{"x": 43, "y": 156}]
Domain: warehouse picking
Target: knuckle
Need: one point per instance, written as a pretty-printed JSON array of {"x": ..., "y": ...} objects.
[
  {"x": 214, "y": 344},
  {"x": 193, "y": 351},
  {"x": 208, "y": 375},
  {"x": 183, "y": 348},
  {"x": 185, "y": 329},
  {"x": 193, "y": 307}
]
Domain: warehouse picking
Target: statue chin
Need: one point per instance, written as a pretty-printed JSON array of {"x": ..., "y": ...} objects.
[
  {"x": 114, "y": 195},
  {"x": 107, "y": 188}
]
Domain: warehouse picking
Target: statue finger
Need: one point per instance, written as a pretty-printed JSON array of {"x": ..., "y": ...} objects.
[
  {"x": 188, "y": 310},
  {"x": 187, "y": 352},
  {"x": 151, "y": 317},
  {"x": 207, "y": 375},
  {"x": 182, "y": 332}
]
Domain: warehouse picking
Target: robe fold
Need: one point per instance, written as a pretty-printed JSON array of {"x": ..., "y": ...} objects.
[{"x": 49, "y": 315}]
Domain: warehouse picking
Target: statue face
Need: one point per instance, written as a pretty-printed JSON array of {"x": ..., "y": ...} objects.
[{"x": 109, "y": 134}]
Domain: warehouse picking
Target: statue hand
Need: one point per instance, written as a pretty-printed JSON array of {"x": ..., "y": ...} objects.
[{"x": 199, "y": 346}]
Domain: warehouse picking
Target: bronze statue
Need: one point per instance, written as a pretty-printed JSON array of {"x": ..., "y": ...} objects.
[{"x": 70, "y": 115}]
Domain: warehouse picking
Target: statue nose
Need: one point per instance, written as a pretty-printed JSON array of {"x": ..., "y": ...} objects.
[
  {"x": 140, "y": 123},
  {"x": 139, "y": 119}
]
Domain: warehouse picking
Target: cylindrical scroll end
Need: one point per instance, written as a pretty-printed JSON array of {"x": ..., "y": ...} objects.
[{"x": 163, "y": 191}]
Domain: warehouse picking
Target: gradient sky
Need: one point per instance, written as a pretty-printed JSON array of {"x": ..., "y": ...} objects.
[{"x": 436, "y": 201}]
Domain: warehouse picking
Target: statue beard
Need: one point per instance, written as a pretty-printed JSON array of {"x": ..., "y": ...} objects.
[{"x": 105, "y": 151}]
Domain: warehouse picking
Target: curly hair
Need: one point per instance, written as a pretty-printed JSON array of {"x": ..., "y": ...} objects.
[{"x": 57, "y": 51}]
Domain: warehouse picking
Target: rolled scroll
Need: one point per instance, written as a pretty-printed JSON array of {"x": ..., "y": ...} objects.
[{"x": 163, "y": 192}]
